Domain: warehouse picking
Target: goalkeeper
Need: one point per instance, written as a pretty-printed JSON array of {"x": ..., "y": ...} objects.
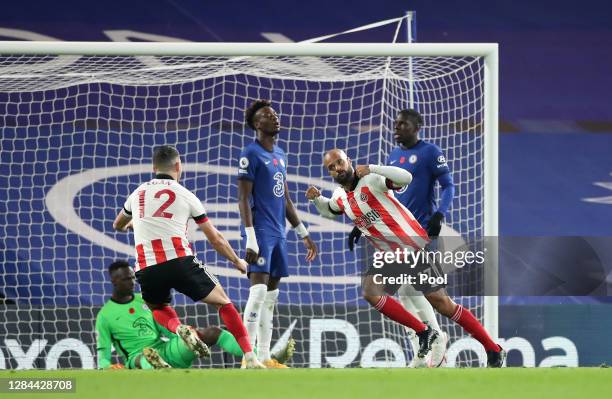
[{"x": 127, "y": 323}]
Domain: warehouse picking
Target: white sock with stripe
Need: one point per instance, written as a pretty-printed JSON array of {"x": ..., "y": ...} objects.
[
  {"x": 419, "y": 306},
  {"x": 425, "y": 311},
  {"x": 252, "y": 310},
  {"x": 406, "y": 302},
  {"x": 264, "y": 334}
]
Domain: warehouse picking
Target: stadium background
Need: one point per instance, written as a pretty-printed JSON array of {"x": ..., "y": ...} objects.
[{"x": 556, "y": 120}]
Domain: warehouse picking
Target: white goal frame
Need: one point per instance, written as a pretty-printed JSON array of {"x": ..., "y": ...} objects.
[{"x": 489, "y": 51}]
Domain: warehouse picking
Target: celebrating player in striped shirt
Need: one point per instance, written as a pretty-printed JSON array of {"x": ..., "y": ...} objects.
[
  {"x": 365, "y": 197},
  {"x": 427, "y": 164},
  {"x": 159, "y": 211}
]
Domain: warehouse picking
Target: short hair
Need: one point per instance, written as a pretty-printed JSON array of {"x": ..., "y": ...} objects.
[
  {"x": 164, "y": 157},
  {"x": 414, "y": 115},
  {"x": 341, "y": 151},
  {"x": 250, "y": 112},
  {"x": 120, "y": 264}
]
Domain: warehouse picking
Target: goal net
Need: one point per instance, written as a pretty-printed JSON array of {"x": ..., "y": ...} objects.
[{"x": 77, "y": 136}]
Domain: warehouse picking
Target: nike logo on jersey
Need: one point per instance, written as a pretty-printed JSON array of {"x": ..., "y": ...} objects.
[
  {"x": 267, "y": 162},
  {"x": 392, "y": 162}
]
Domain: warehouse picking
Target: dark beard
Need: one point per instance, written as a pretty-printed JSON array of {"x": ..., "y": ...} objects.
[
  {"x": 345, "y": 179},
  {"x": 402, "y": 140}
]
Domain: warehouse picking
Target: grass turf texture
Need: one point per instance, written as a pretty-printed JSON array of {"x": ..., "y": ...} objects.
[{"x": 515, "y": 383}]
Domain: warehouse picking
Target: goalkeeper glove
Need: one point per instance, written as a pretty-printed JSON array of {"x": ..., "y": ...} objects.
[
  {"x": 435, "y": 225},
  {"x": 354, "y": 237}
]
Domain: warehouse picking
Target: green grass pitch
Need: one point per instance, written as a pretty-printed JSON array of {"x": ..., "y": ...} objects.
[{"x": 515, "y": 383}]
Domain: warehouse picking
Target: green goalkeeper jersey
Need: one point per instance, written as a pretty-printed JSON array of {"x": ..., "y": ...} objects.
[{"x": 129, "y": 327}]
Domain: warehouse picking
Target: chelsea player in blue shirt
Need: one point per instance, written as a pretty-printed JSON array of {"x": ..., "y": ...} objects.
[
  {"x": 427, "y": 164},
  {"x": 264, "y": 203}
]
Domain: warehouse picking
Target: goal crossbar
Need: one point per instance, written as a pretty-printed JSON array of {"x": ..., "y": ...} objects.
[{"x": 249, "y": 49}]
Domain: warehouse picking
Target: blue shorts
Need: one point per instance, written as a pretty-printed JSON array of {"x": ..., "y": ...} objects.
[{"x": 272, "y": 256}]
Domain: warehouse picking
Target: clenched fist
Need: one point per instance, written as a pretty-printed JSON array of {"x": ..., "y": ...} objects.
[{"x": 313, "y": 193}]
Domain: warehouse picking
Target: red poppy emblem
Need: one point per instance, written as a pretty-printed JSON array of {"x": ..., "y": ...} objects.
[
  {"x": 275, "y": 162},
  {"x": 131, "y": 310},
  {"x": 402, "y": 159}
]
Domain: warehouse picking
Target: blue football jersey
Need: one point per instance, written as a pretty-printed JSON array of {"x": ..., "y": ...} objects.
[
  {"x": 426, "y": 162},
  {"x": 268, "y": 172}
]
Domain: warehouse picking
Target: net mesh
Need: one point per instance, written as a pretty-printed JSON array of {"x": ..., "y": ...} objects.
[{"x": 78, "y": 134}]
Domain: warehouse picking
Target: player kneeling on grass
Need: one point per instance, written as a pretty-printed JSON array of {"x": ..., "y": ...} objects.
[
  {"x": 365, "y": 197},
  {"x": 127, "y": 323}
]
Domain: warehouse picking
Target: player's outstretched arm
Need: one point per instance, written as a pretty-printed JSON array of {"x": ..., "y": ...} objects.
[
  {"x": 124, "y": 218},
  {"x": 323, "y": 204},
  {"x": 122, "y": 222},
  {"x": 299, "y": 227},
  {"x": 221, "y": 245},
  {"x": 245, "y": 187},
  {"x": 398, "y": 177}
]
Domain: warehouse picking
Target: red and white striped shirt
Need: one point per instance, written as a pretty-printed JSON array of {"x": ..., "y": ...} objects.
[
  {"x": 160, "y": 211},
  {"x": 379, "y": 215}
]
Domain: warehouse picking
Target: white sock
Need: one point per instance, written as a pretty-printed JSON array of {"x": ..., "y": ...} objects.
[
  {"x": 264, "y": 334},
  {"x": 418, "y": 305},
  {"x": 425, "y": 311},
  {"x": 406, "y": 302},
  {"x": 421, "y": 308},
  {"x": 252, "y": 310}
]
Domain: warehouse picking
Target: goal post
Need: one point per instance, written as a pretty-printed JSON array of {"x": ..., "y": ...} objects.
[
  {"x": 491, "y": 193},
  {"x": 78, "y": 123}
]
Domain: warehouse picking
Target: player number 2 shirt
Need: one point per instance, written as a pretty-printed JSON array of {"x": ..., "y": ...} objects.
[{"x": 160, "y": 210}]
